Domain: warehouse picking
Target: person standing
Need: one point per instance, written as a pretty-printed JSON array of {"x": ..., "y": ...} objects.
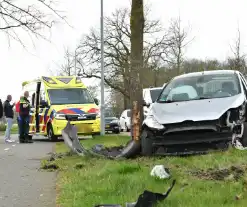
[
  {"x": 24, "y": 119},
  {"x": 1, "y": 109},
  {"x": 9, "y": 114},
  {"x": 17, "y": 110}
]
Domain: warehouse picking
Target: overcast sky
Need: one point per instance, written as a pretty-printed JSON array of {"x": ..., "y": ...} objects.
[{"x": 214, "y": 24}]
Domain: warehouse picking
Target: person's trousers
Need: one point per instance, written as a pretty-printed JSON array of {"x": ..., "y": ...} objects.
[
  {"x": 24, "y": 127},
  {"x": 18, "y": 123},
  {"x": 8, "y": 128}
]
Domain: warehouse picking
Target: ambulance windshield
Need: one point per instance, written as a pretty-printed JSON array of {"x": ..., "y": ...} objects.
[{"x": 70, "y": 96}]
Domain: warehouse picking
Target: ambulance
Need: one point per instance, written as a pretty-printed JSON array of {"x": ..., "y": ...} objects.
[{"x": 55, "y": 99}]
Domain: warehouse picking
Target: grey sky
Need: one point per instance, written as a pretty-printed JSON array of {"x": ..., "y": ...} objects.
[{"x": 214, "y": 24}]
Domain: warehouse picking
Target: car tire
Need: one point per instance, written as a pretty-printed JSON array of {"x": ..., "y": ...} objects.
[
  {"x": 146, "y": 143},
  {"x": 94, "y": 135},
  {"x": 50, "y": 134},
  {"x": 244, "y": 137}
]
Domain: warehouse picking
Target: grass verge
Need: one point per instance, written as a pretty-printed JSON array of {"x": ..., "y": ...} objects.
[
  {"x": 14, "y": 129},
  {"x": 86, "y": 181}
]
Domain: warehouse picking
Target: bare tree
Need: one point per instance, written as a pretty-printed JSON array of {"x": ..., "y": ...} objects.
[
  {"x": 68, "y": 66},
  {"x": 30, "y": 18},
  {"x": 117, "y": 50},
  {"x": 179, "y": 37},
  {"x": 238, "y": 61},
  {"x": 93, "y": 89}
]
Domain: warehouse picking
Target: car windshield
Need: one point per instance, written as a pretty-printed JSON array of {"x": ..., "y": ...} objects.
[
  {"x": 200, "y": 87},
  {"x": 70, "y": 96},
  {"x": 155, "y": 93}
]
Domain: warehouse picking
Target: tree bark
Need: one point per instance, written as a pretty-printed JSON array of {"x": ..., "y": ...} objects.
[{"x": 137, "y": 29}]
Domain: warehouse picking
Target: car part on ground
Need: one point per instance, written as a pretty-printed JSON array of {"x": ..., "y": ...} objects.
[
  {"x": 146, "y": 199},
  {"x": 160, "y": 172},
  {"x": 186, "y": 120},
  {"x": 71, "y": 139}
]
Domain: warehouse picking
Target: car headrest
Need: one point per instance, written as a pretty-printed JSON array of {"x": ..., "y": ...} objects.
[
  {"x": 180, "y": 97},
  {"x": 228, "y": 84}
]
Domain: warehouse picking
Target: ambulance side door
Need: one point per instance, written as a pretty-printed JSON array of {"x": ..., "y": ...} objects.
[
  {"x": 32, "y": 127},
  {"x": 44, "y": 111}
]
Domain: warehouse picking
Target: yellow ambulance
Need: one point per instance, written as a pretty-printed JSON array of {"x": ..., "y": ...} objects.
[{"x": 54, "y": 98}]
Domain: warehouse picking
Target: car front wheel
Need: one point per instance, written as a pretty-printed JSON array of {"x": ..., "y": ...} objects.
[
  {"x": 244, "y": 137},
  {"x": 50, "y": 134},
  {"x": 146, "y": 143}
]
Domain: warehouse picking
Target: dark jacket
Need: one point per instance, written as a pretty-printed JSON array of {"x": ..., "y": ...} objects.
[
  {"x": 24, "y": 107},
  {"x": 8, "y": 109},
  {"x": 1, "y": 109}
]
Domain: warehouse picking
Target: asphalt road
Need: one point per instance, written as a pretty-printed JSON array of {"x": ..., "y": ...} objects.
[{"x": 22, "y": 184}]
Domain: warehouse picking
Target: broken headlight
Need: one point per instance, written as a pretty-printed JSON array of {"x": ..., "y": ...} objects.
[{"x": 151, "y": 122}]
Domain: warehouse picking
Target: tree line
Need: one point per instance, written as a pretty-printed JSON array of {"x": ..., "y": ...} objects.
[{"x": 164, "y": 55}]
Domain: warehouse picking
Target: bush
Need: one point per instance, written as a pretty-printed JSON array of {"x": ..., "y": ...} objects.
[{"x": 2, "y": 127}]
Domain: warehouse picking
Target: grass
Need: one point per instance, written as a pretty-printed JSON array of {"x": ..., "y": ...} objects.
[
  {"x": 14, "y": 129},
  {"x": 84, "y": 181}
]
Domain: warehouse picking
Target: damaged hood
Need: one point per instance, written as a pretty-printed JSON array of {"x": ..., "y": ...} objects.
[{"x": 196, "y": 110}]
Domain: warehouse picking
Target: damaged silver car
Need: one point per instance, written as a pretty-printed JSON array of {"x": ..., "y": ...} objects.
[{"x": 196, "y": 111}]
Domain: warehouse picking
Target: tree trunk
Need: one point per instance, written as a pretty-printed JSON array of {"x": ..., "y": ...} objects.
[{"x": 136, "y": 28}]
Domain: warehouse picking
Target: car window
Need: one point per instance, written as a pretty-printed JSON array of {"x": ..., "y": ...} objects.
[
  {"x": 201, "y": 86},
  {"x": 129, "y": 113},
  {"x": 155, "y": 93}
]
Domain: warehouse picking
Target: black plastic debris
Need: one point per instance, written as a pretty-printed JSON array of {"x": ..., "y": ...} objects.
[
  {"x": 108, "y": 151},
  {"x": 149, "y": 199},
  {"x": 71, "y": 139},
  {"x": 146, "y": 199}
]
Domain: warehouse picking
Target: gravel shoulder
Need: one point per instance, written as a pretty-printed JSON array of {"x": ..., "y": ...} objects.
[{"x": 22, "y": 183}]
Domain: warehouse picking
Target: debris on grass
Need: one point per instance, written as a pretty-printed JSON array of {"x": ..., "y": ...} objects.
[
  {"x": 159, "y": 171},
  {"x": 147, "y": 199},
  {"x": 79, "y": 166},
  {"x": 55, "y": 156},
  {"x": 231, "y": 173},
  {"x": 50, "y": 166},
  {"x": 108, "y": 151}
]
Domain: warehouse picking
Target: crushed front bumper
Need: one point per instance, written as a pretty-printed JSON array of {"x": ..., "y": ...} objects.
[{"x": 190, "y": 139}]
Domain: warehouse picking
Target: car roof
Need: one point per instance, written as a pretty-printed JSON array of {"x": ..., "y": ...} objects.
[
  {"x": 209, "y": 72},
  {"x": 111, "y": 117}
]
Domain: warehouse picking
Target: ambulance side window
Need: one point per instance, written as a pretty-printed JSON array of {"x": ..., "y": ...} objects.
[{"x": 42, "y": 96}]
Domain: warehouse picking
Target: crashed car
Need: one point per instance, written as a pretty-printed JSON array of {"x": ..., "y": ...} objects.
[{"x": 195, "y": 111}]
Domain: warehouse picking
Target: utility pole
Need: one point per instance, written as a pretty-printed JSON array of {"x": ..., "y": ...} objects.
[
  {"x": 102, "y": 102},
  {"x": 75, "y": 62}
]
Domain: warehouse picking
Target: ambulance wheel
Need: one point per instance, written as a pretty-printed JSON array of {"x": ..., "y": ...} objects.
[{"x": 50, "y": 134}]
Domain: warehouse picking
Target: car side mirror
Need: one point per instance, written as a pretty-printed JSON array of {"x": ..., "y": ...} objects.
[
  {"x": 43, "y": 104},
  {"x": 96, "y": 101}
]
